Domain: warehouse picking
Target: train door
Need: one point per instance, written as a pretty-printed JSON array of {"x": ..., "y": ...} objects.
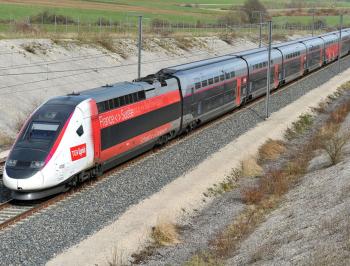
[
  {"x": 302, "y": 63},
  {"x": 276, "y": 76},
  {"x": 238, "y": 92},
  {"x": 196, "y": 105}
]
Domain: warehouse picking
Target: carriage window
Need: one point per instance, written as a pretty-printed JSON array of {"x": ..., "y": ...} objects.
[
  {"x": 116, "y": 102},
  {"x": 141, "y": 95},
  {"x": 111, "y": 104},
  {"x": 222, "y": 77},
  {"x": 227, "y": 75},
  {"x": 217, "y": 79},
  {"x": 204, "y": 83},
  {"x": 232, "y": 74},
  {"x": 42, "y": 131},
  {"x": 122, "y": 100},
  {"x": 211, "y": 81},
  {"x": 100, "y": 107},
  {"x": 198, "y": 85},
  {"x": 106, "y": 105}
]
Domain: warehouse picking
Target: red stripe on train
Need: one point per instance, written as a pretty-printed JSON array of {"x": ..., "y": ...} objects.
[
  {"x": 134, "y": 142},
  {"x": 130, "y": 111}
]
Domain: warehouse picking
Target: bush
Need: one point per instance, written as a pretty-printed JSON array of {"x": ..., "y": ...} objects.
[
  {"x": 250, "y": 168},
  {"x": 165, "y": 234},
  {"x": 304, "y": 122},
  {"x": 159, "y": 23},
  {"x": 233, "y": 18},
  {"x": 271, "y": 150},
  {"x": 47, "y": 17},
  {"x": 250, "y": 7},
  {"x": 252, "y": 195},
  {"x": 332, "y": 141}
]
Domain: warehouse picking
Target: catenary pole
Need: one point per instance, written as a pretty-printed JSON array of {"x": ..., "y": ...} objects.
[
  {"x": 268, "y": 70},
  {"x": 260, "y": 30},
  {"x": 313, "y": 21},
  {"x": 140, "y": 48},
  {"x": 339, "y": 41}
]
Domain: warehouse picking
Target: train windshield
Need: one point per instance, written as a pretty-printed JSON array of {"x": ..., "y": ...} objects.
[{"x": 42, "y": 131}]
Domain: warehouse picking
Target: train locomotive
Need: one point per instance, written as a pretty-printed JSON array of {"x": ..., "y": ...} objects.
[{"x": 72, "y": 138}]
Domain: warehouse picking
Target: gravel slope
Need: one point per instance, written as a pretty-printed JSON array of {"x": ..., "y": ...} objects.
[{"x": 41, "y": 237}]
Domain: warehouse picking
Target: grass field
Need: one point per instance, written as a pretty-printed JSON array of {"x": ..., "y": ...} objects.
[
  {"x": 172, "y": 10},
  {"x": 175, "y": 11}
]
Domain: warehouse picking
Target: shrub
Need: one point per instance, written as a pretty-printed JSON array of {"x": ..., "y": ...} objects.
[
  {"x": 202, "y": 259},
  {"x": 25, "y": 27},
  {"x": 304, "y": 122},
  {"x": 252, "y": 195},
  {"x": 253, "y": 5},
  {"x": 165, "y": 234},
  {"x": 332, "y": 142},
  {"x": 250, "y": 168},
  {"x": 50, "y": 18},
  {"x": 271, "y": 150},
  {"x": 276, "y": 183}
]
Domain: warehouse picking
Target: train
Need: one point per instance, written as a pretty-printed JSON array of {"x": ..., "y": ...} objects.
[{"x": 70, "y": 139}]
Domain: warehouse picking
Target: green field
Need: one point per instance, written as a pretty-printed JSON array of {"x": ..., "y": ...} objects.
[{"x": 124, "y": 12}]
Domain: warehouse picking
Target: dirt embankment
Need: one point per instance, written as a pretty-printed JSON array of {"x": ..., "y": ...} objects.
[{"x": 289, "y": 205}]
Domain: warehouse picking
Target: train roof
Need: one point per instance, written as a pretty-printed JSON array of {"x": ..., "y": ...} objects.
[
  {"x": 196, "y": 64},
  {"x": 107, "y": 92}
]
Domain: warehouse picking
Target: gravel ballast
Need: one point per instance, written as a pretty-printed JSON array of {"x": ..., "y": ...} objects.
[{"x": 43, "y": 236}]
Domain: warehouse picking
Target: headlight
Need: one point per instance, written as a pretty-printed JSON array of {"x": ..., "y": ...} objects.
[
  {"x": 36, "y": 164},
  {"x": 11, "y": 163}
]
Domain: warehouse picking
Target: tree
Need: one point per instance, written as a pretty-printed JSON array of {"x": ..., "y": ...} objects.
[{"x": 250, "y": 7}]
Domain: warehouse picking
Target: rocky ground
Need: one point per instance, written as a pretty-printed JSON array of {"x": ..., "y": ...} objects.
[{"x": 310, "y": 227}]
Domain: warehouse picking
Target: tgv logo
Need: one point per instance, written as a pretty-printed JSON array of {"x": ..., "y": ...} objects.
[{"x": 78, "y": 152}]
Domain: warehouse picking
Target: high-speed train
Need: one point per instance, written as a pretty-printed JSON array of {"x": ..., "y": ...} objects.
[{"x": 72, "y": 138}]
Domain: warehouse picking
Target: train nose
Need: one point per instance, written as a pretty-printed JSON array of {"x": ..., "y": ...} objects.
[{"x": 33, "y": 182}]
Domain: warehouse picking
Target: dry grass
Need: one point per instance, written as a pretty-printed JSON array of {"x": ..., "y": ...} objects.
[
  {"x": 117, "y": 259},
  {"x": 271, "y": 150},
  {"x": 265, "y": 196},
  {"x": 252, "y": 195},
  {"x": 250, "y": 168},
  {"x": 184, "y": 43},
  {"x": 165, "y": 234},
  {"x": 339, "y": 114},
  {"x": 5, "y": 140},
  {"x": 228, "y": 37},
  {"x": 203, "y": 259}
]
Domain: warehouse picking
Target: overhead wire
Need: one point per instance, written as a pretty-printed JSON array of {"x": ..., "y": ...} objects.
[{"x": 92, "y": 69}]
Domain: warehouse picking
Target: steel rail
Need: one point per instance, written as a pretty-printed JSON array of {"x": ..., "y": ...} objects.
[{"x": 38, "y": 206}]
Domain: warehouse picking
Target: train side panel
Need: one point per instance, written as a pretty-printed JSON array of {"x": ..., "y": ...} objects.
[
  {"x": 212, "y": 90},
  {"x": 132, "y": 129}
]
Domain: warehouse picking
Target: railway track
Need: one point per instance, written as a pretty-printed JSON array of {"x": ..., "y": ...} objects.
[{"x": 13, "y": 212}]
